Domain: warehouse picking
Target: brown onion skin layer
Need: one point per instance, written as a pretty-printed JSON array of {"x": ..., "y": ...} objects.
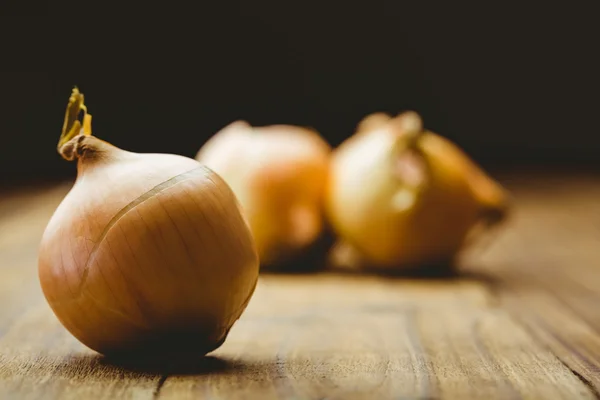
[{"x": 147, "y": 252}]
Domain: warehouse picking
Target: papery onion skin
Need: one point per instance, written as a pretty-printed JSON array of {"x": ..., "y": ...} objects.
[
  {"x": 147, "y": 252},
  {"x": 278, "y": 172},
  {"x": 386, "y": 223}
]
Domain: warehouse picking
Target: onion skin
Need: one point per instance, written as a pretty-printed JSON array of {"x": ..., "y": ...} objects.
[
  {"x": 278, "y": 173},
  {"x": 385, "y": 221},
  {"x": 146, "y": 253}
]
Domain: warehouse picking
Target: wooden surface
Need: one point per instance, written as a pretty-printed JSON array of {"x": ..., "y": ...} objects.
[{"x": 521, "y": 320}]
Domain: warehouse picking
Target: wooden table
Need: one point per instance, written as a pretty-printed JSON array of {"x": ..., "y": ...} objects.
[{"x": 522, "y": 319}]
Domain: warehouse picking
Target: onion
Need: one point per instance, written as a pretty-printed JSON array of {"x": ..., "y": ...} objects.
[
  {"x": 146, "y": 251},
  {"x": 400, "y": 197},
  {"x": 278, "y": 173}
]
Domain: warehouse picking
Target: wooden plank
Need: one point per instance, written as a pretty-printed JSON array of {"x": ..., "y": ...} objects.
[
  {"x": 24, "y": 217},
  {"x": 488, "y": 355},
  {"x": 555, "y": 325},
  {"x": 379, "y": 339},
  {"x": 39, "y": 360},
  {"x": 544, "y": 269},
  {"x": 340, "y": 336}
]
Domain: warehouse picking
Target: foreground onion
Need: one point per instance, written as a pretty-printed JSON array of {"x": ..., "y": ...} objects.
[
  {"x": 147, "y": 251},
  {"x": 278, "y": 173},
  {"x": 401, "y": 197}
]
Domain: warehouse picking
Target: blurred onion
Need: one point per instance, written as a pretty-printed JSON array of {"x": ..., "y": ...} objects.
[{"x": 278, "y": 172}]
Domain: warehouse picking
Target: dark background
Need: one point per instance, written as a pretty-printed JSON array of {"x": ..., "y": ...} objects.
[{"x": 514, "y": 85}]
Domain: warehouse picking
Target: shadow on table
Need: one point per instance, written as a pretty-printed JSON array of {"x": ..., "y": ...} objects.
[
  {"x": 99, "y": 367},
  {"x": 306, "y": 261},
  {"x": 439, "y": 272},
  {"x": 202, "y": 365},
  {"x": 435, "y": 272},
  {"x": 314, "y": 260}
]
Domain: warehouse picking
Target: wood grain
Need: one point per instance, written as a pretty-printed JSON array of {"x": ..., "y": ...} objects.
[
  {"x": 522, "y": 320},
  {"x": 547, "y": 268}
]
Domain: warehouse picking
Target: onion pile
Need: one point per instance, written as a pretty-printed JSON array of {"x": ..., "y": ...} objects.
[
  {"x": 161, "y": 253},
  {"x": 147, "y": 252}
]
